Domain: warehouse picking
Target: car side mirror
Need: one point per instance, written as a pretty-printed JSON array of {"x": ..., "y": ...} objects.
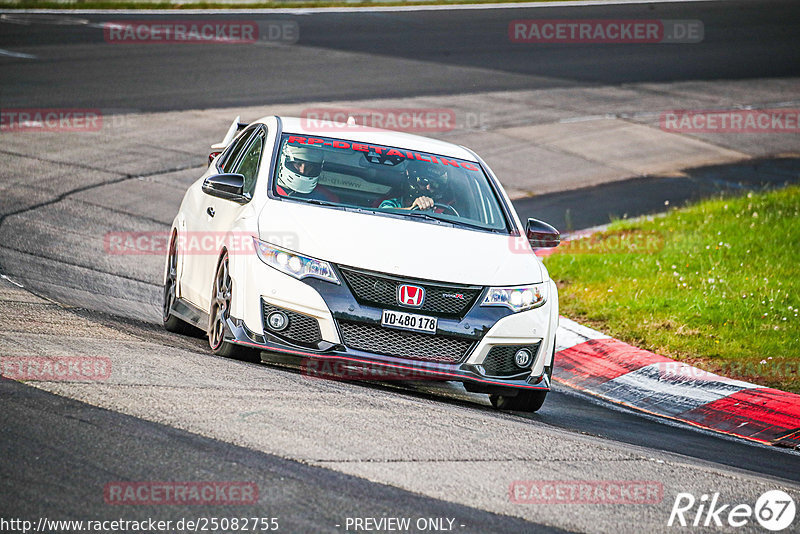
[
  {"x": 542, "y": 235},
  {"x": 227, "y": 186}
]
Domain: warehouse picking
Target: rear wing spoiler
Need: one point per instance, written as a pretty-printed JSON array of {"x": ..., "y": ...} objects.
[{"x": 217, "y": 148}]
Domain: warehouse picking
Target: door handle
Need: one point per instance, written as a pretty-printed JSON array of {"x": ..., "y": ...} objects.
[{"x": 210, "y": 211}]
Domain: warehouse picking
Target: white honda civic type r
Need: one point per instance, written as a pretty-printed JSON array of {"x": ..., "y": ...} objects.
[{"x": 367, "y": 248}]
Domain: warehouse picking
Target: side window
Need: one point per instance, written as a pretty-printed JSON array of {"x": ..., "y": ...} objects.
[
  {"x": 235, "y": 150},
  {"x": 249, "y": 163}
]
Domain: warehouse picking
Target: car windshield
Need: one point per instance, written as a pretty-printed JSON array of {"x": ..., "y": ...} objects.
[{"x": 386, "y": 179}]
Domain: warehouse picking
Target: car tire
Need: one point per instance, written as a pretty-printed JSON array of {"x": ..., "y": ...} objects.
[
  {"x": 172, "y": 323},
  {"x": 221, "y": 296},
  {"x": 524, "y": 401}
]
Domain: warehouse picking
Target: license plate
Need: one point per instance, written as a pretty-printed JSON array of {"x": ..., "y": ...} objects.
[{"x": 408, "y": 321}]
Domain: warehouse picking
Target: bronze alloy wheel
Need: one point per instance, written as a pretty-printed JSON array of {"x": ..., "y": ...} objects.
[
  {"x": 220, "y": 305},
  {"x": 172, "y": 323},
  {"x": 219, "y": 315},
  {"x": 171, "y": 281}
]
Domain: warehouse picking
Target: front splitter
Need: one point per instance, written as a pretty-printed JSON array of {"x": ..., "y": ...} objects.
[{"x": 347, "y": 364}]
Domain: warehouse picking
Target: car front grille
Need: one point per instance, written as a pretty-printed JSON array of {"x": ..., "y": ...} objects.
[
  {"x": 500, "y": 360},
  {"x": 302, "y": 329},
  {"x": 403, "y": 344},
  {"x": 381, "y": 290}
]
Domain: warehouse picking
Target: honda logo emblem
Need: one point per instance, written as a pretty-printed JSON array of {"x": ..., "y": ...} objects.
[{"x": 411, "y": 296}]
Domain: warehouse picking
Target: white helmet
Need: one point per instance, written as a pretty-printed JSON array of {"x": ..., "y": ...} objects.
[{"x": 301, "y": 168}]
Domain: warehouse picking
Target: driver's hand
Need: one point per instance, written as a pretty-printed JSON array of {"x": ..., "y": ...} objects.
[{"x": 423, "y": 203}]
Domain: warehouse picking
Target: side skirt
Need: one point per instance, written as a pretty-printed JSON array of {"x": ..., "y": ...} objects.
[{"x": 190, "y": 313}]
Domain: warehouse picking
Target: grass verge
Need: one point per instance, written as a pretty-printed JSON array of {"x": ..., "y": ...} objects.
[{"x": 715, "y": 284}]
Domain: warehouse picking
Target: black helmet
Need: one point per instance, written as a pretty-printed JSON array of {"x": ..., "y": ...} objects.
[{"x": 426, "y": 179}]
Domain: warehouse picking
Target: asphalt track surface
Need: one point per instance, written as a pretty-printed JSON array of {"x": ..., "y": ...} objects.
[
  {"x": 595, "y": 206},
  {"x": 73, "y": 446},
  {"x": 385, "y": 54},
  {"x": 43, "y": 477}
]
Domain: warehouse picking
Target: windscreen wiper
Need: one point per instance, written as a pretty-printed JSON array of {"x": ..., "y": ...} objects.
[
  {"x": 454, "y": 222},
  {"x": 419, "y": 215},
  {"x": 318, "y": 202},
  {"x": 343, "y": 207}
]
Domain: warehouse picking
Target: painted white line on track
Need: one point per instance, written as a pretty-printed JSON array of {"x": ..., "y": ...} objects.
[
  {"x": 23, "y": 19},
  {"x": 9, "y": 53},
  {"x": 4, "y": 277},
  {"x": 314, "y": 10}
]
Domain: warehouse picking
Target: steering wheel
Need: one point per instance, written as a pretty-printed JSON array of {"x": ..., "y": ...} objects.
[{"x": 446, "y": 207}]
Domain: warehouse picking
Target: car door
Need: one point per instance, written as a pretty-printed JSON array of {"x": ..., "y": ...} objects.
[
  {"x": 209, "y": 216},
  {"x": 221, "y": 214}
]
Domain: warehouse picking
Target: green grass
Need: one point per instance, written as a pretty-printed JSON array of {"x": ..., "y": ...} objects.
[{"x": 721, "y": 292}]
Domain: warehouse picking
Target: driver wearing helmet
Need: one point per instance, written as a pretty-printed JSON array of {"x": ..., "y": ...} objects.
[
  {"x": 299, "y": 173},
  {"x": 425, "y": 185}
]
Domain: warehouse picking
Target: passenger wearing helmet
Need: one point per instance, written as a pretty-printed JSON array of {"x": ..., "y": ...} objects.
[
  {"x": 425, "y": 185},
  {"x": 300, "y": 172}
]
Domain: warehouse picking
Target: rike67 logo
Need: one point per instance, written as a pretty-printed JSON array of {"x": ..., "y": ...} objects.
[{"x": 774, "y": 511}]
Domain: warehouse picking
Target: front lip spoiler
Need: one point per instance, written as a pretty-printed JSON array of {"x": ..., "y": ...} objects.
[{"x": 239, "y": 334}]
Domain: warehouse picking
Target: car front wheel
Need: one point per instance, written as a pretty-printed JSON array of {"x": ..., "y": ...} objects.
[{"x": 221, "y": 312}]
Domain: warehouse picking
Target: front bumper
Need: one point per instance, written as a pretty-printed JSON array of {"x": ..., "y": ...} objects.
[
  {"x": 359, "y": 365},
  {"x": 335, "y": 312}
]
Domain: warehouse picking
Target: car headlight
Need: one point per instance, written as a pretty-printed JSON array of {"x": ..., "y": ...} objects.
[
  {"x": 518, "y": 298},
  {"x": 294, "y": 264}
]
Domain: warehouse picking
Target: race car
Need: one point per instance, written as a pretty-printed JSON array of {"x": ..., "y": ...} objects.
[{"x": 334, "y": 242}]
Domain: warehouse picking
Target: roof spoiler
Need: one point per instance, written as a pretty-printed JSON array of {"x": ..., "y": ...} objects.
[{"x": 236, "y": 127}]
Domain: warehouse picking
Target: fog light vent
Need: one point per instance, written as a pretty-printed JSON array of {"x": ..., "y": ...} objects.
[
  {"x": 510, "y": 360},
  {"x": 523, "y": 358},
  {"x": 288, "y": 325},
  {"x": 277, "y": 321}
]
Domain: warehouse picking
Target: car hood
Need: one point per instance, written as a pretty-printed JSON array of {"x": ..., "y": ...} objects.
[{"x": 416, "y": 249}]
